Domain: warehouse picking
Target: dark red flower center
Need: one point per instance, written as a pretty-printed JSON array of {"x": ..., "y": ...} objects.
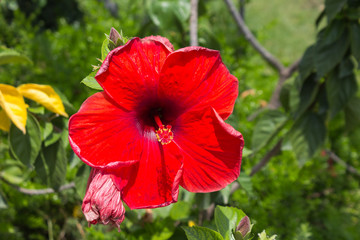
[{"x": 158, "y": 116}]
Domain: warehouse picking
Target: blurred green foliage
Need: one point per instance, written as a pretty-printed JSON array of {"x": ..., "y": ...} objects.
[{"x": 300, "y": 194}]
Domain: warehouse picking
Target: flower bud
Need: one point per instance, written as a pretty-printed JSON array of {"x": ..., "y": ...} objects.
[
  {"x": 244, "y": 226},
  {"x": 102, "y": 202}
]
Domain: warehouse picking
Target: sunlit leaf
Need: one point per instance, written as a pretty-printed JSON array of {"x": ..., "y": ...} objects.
[
  {"x": 45, "y": 95},
  {"x": 12, "y": 102},
  {"x": 91, "y": 82},
  {"x": 105, "y": 48},
  {"x": 3, "y": 203},
  {"x": 11, "y": 56},
  {"x": 201, "y": 233},
  {"x": 226, "y": 219}
]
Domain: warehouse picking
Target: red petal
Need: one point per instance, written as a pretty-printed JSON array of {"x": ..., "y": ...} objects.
[
  {"x": 161, "y": 39},
  {"x": 212, "y": 151},
  {"x": 154, "y": 181},
  {"x": 103, "y": 135},
  {"x": 131, "y": 72},
  {"x": 197, "y": 78}
]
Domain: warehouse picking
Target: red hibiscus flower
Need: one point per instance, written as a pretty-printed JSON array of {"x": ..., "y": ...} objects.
[{"x": 159, "y": 123}]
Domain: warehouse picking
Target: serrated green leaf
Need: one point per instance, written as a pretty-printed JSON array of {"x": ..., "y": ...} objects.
[
  {"x": 341, "y": 86},
  {"x": 267, "y": 127},
  {"x": 91, "y": 82},
  {"x": 333, "y": 7},
  {"x": 306, "y": 136},
  {"x": 180, "y": 210},
  {"x": 201, "y": 233},
  {"x": 352, "y": 114},
  {"x": 26, "y": 147},
  {"x": 81, "y": 179},
  {"x": 330, "y": 48},
  {"x": 226, "y": 219},
  {"x": 355, "y": 41},
  {"x": 55, "y": 158},
  {"x": 11, "y": 56}
]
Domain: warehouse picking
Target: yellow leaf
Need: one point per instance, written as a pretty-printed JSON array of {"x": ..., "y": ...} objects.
[
  {"x": 4, "y": 121},
  {"x": 12, "y": 102},
  {"x": 45, "y": 95}
]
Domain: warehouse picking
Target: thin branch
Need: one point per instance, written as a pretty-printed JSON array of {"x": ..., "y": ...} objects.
[
  {"x": 273, "y": 152},
  {"x": 194, "y": 23},
  {"x": 348, "y": 167},
  {"x": 251, "y": 38},
  {"x": 38, "y": 191}
]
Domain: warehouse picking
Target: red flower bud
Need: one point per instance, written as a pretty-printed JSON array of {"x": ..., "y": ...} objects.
[{"x": 102, "y": 202}]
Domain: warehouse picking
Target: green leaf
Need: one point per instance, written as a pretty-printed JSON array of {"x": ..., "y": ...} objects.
[
  {"x": 352, "y": 114},
  {"x": 333, "y": 7},
  {"x": 105, "y": 48},
  {"x": 306, "y": 136},
  {"x": 52, "y": 138},
  {"x": 245, "y": 183},
  {"x": 11, "y": 56},
  {"x": 81, "y": 179},
  {"x": 167, "y": 13},
  {"x": 91, "y": 82},
  {"x": 341, "y": 86},
  {"x": 267, "y": 127},
  {"x": 201, "y": 233},
  {"x": 26, "y": 147},
  {"x": 55, "y": 158},
  {"x": 226, "y": 219},
  {"x": 3, "y": 203},
  {"x": 180, "y": 210},
  {"x": 330, "y": 48},
  {"x": 301, "y": 98},
  {"x": 42, "y": 170},
  {"x": 306, "y": 65},
  {"x": 355, "y": 41},
  {"x": 263, "y": 236}
]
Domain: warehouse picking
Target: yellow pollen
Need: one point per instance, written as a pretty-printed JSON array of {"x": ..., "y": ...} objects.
[{"x": 164, "y": 134}]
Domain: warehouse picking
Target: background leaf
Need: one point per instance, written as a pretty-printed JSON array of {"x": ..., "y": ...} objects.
[
  {"x": 306, "y": 136},
  {"x": 11, "y": 56},
  {"x": 267, "y": 127},
  {"x": 201, "y": 233},
  {"x": 26, "y": 147}
]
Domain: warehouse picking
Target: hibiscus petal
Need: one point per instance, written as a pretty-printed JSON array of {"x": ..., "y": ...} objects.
[
  {"x": 212, "y": 151},
  {"x": 197, "y": 78},
  {"x": 104, "y": 135},
  {"x": 154, "y": 181},
  {"x": 131, "y": 72}
]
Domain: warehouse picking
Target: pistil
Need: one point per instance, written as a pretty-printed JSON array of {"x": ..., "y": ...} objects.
[{"x": 164, "y": 134}]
